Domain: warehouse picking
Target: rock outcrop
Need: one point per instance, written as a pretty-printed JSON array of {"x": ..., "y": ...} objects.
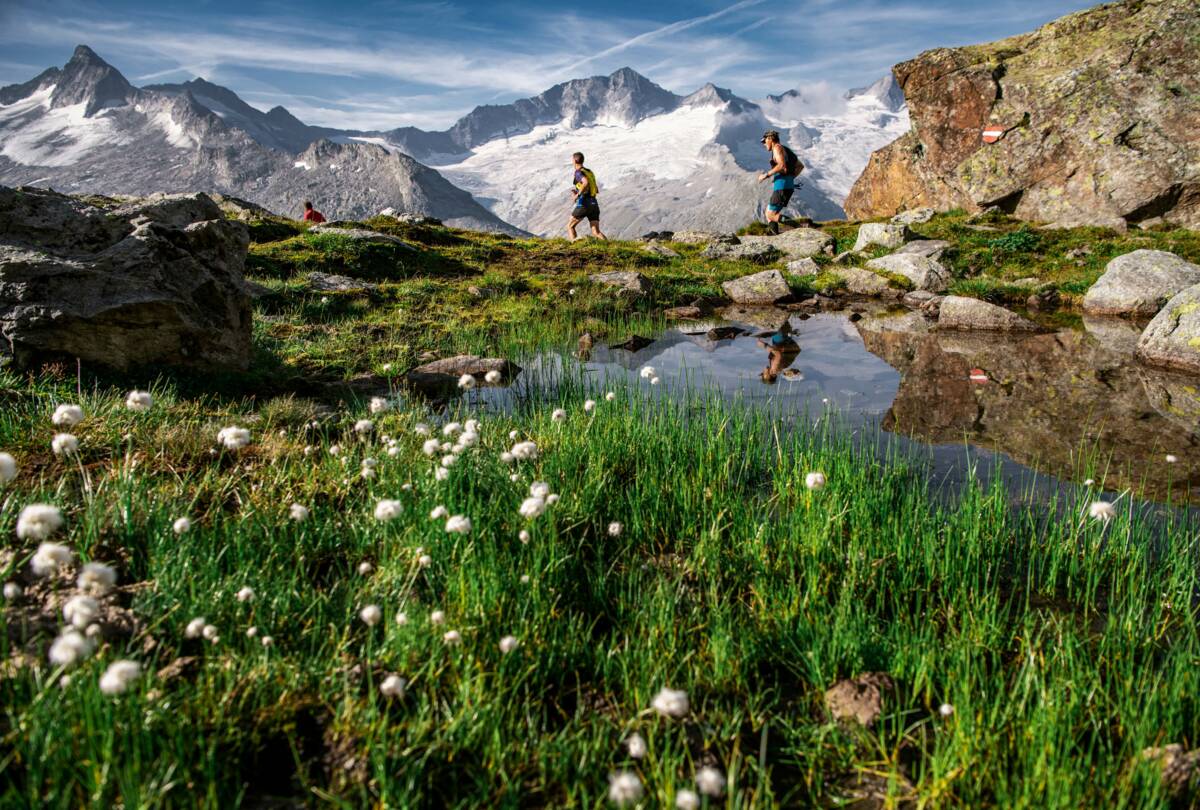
[
  {"x": 882, "y": 234},
  {"x": 798, "y": 243},
  {"x": 155, "y": 282},
  {"x": 1098, "y": 113},
  {"x": 1172, "y": 339},
  {"x": 922, "y": 272},
  {"x": 1139, "y": 284}
]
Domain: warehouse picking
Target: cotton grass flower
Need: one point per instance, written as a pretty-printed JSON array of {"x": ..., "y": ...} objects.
[
  {"x": 507, "y": 457},
  {"x": 246, "y": 594},
  {"x": 624, "y": 787},
  {"x": 233, "y": 437},
  {"x": 139, "y": 401},
  {"x": 431, "y": 446},
  {"x": 615, "y": 529},
  {"x": 441, "y": 474},
  {"x": 387, "y": 510},
  {"x": 365, "y": 569},
  {"x": 452, "y": 637},
  {"x": 8, "y": 468},
  {"x": 448, "y": 460},
  {"x": 81, "y": 611},
  {"x": 559, "y": 415},
  {"x": 364, "y": 427},
  {"x": 67, "y": 416},
  {"x": 710, "y": 781},
  {"x": 12, "y": 591},
  {"x": 1102, "y": 510},
  {"x": 508, "y": 644},
  {"x": 466, "y": 382},
  {"x": 119, "y": 676},
  {"x": 655, "y": 380},
  {"x": 70, "y": 648},
  {"x": 945, "y": 710},
  {"x": 401, "y": 618},
  {"x": 268, "y": 641},
  {"x": 371, "y": 615},
  {"x": 589, "y": 406},
  {"x": 458, "y": 524},
  {"x": 815, "y": 481},
  {"x": 38, "y": 521},
  {"x": 635, "y": 745},
  {"x": 437, "y": 617},
  {"x": 687, "y": 800},
  {"x": 523, "y": 535},
  {"x": 393, "y": 686},
  {"x": 195, "y": 627},
  {"x": 439, "y": 512},
  {"x": 452, "y": 429},
  {"x": 670, "y": 703},
  {"x": 50, "y": 557},
  {"x": 493, "y": 377},
  {"x": 539, "y": 489},
  {"x": 524, "y": 451},
  {"x": 252, "y": 632},
  {"x": 64, "y": 444},
  {"x": 532, "y": 507},
  {"x": 96, "y": 578},
  {"x": 647, "y": 372},
  {"x": 182, "y": 526},
  {"x": 1171, "y": 458},
  {"x": 298, "y": 512},
  {"x": 378, "y": 405},
  {"x": 210, "y": 632}
]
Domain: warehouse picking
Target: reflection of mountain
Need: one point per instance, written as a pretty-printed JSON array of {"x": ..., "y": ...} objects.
[{"x": 1050, "y": 396}]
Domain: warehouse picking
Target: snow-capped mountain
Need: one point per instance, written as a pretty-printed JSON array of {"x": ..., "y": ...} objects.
[
  {"x": 84, "y": 128},
  {"x": 663, "y": 161}
]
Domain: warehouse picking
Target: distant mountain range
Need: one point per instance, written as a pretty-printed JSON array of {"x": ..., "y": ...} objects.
[{"x": 663, "y": 160}]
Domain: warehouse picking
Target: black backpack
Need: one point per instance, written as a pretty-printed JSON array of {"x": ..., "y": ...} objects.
[{"x": 791, "y": 163}]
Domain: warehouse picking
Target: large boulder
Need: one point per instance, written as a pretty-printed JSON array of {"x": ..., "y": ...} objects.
[
  {"x": 916, "y": 216},
  {"x": 804, "y": 267},
  {"x": 882, "y": 234},
  {"x": 957, "y": 312},
  {"x": 143, "y": 285},
  {"x": 798, "y": 243},
  {"x": 923, "y": 273},
  {"x": 766, "y": 287},
  {"x": 1139, "y": 283},
  {"x": 1097, "y": 113},
  {"x": 929, "y": 248},
  {"x": 755, "y": 253},
  {"x": 1172, "y": 339},
  {"x": 865, "y": 283}
]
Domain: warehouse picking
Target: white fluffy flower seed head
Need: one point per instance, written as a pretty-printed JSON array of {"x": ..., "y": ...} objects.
[
  {"x": 438, "y": 513},
  {"x": 364, "y": 426},
  {"x": 437, "y": 617},
  {"x": 387, "y": 510},
  {"x": 710, "y": 781},
  {"x": 452, "y": 637},
  {"x": 119, "y": 676},
  {"x": 379, "y": 405},
  {"x": 67, "y": 416},
  {"x": 64, "y": 444},
  {"x": 233, "y": 437},
  {"x": 441, "y": 474},
  {"x": 81, "y": 611},
  {"x": 209, "y": 631},
  {"x": 589, "y": 406},
  {"x": 523, "y": 535},
  {"x": 371, "y": 615},
  {"x": 246, "y": 594},
  {"x": 298, "y": 512},
  {"x": 615, "y": 529},
  {"x": 8, "y": 468},
  {"x": 492, "y": 377},
  {"x": 12, "y": 591},
  {"x": 1102, "y": 510},
  {"x": 539, "y": 489},
  {"x": 96, "y": 578},
  {"x": 466, "y": 382},
  {"x": 559, "y": 415},
  {"x": 1171, "y": 458},
  {"x": 70, "y": 648},
  {"x": 655, "y": 380},
  {"x": 139, "y": 401},
  {"x": 38, "y": 521},
  {"x": 49, "y": 557},
  {"x": 182, "y": 526},
  {"x": 945, "y": 710},
  {"x": 401, "y": 618},
  {"x": 452, "y": 429},
  {"x": 648, "y": 371},
  {"x": 393, "y": 686},
  {"x": 422, "y": 429},
  {"x": 508, "y": 644},
  {"x": 687, "y": 800},
  {"x": 532, "y": 507},
  {"x": 524, "y": 451},
  {"x": 624, "y": 787},
  {"x": 365, "y": 568},
  {"x": 458, "y": 524},
  {"x": 670, "y": 702},
  {"x": 815, "y": 481},
  {"x": 431, "y": 446},
  {"x": 635, "y": 745},
  {"x": 195, "y": 627}
]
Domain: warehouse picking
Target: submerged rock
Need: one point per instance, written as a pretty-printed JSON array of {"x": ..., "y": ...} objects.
[
  {"x": 1139, "y": 283},
  {"x": 1172, "y": 339},
  {"x": 958, "y": 312},
  {"x": 766, "y": 287},
  {"x": 157, "y": 282}
]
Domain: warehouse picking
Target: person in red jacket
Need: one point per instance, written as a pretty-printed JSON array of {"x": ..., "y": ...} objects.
[{"x": 311, "y": 214}]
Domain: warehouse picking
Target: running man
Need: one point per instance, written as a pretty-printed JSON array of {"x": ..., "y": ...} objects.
[
  {"x": 586, "y": 205},
  {"x": 785, "y": 167}
]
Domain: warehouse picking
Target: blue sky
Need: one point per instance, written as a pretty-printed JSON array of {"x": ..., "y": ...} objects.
[{"x": 383, "y": 64}]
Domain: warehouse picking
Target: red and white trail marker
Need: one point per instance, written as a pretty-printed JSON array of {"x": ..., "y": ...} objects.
[
  {"x": 992, "y": 134},
  {"x": 978, "y": 376}
]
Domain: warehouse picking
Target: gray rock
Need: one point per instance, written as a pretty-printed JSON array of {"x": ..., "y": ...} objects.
[
  {"x": 439, "y": 378},
  {"x": 136, "y": 289},
  {"x": 883, "y": 234},
  {"x": 1117, "y": 335},
  {"x": 687, "y": 313},
  {"x": 923, "y": 273},
  {"x": 756, "y": 253},
  {"x": 864, "y": 282},
  {"x": 661, "y": 250},
  {"x": 766, "y": 287},
  {"x": 362, "y": 235},
  {"x": 916, "y": 216},
  {"x": 704, "y": 238},
  {"x": 929, "y": 248},
  {"x": 1139, "y": 283},
  {"x": 257, "y": 291},
  {"x": 1172, "y": 339},
  {"x": 859, "y": 699},
  {"x": 328, "y": 282},
  {"x": 240, "y": 209},
  {"x": 625, "y": 282},
  {"x": 172, "y": 210},
  {"x": 804, "y": 267},
  {"x": 798, "y": 243},
  {"x": 1179, "y": 768},
  {"x": 917, "y": 299},
  {"x": 958, "y": 312}
]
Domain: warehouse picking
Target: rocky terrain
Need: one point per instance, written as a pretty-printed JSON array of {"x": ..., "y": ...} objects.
[{"x": 1099, "y": 112}]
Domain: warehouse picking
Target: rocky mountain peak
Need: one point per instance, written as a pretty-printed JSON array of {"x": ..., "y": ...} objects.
[
  {"x": 87, "y": 79},
  {"x": 886, "y": 91}
]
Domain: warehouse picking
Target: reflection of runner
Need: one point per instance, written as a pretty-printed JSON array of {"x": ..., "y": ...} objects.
[{"x": 782, "y": 351}]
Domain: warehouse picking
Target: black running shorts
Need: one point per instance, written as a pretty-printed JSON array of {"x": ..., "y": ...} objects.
[
  {"x": 780, "y": 198},
  {"x": 589, "y": 210}
]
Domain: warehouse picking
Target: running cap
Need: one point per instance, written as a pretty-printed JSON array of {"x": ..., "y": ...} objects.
[{"x": 770, "y": 133}]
